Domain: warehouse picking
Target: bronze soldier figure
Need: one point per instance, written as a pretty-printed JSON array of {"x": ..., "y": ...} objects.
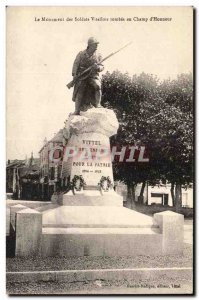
[{"x": 87, "y": 90}]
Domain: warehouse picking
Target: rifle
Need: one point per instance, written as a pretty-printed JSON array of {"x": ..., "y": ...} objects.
[{"x": 72, "y": 83}]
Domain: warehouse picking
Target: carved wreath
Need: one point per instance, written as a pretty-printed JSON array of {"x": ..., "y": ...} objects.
[
  {"x": 105, "y": 183},
  {"x": 77, "y": 183}
]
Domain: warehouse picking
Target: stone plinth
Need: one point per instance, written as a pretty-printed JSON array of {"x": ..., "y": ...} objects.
[
  {"x": 96, "y": 217},
  {"x": 89, "y": 145},
  {"x": 171, "y": 227},
  {"x": 99, "y": 231},
  {"x": 104, "y": 242},
  {"x": 28, "y": 232}
]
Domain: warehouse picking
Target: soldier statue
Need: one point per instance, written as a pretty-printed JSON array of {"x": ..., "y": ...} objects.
[
  {"x": 87, "y": 89},
  {"x": 86, "y": 77}
]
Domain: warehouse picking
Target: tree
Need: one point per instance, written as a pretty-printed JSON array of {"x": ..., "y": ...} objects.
[
  {"x": 158, "y": 115},
  {"x": 125, "y": 96},
  {"x": 178, "y": 94}
]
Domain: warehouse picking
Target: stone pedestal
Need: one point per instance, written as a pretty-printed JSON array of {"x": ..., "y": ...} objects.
[
  {"x": 28, "y": 232},
  {"x": 99, "y": 231},
  {"x": 171, "y": 228},
  {"x": 87, "y": 153},
  {"x": 90, "y": 220}
]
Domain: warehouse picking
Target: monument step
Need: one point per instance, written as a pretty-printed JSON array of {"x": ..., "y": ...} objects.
[
  {"x": 104, "y": 242},
  {"x": 99, "y": 226},
  {"x": 95, "y": 216},
  {"x": 101, "y": 230}
]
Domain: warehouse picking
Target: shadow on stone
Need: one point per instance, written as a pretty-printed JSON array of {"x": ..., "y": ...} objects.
[
  {"x": 10, "y": 246},
  {"x": 11, "y": 243}
]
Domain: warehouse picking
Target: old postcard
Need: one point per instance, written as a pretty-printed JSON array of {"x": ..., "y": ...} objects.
[{"x": 99, "y": 172}]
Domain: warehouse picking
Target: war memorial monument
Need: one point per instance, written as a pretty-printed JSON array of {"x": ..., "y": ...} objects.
[{"x": 90, "y": 219}]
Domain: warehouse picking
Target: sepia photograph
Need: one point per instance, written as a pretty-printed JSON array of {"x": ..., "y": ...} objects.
[{"x": 99, "y": 150}]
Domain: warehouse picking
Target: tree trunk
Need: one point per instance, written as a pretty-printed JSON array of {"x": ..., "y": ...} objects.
[
  {"x": 172, "y": 193},
  {"x": 141, "y": 196},
  {"x": 178, "y": 197},
  {"x": 133, "y": 205},
  {"x": 131, "y": 195}
]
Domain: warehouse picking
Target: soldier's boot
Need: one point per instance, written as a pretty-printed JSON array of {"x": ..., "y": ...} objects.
[{"x": 77, "y": 106}]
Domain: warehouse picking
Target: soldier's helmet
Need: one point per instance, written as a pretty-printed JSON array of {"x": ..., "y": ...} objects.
[{"x": 92, "y": 40}]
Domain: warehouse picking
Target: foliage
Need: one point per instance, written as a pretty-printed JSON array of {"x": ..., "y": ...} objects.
[{"x": 158, "y": 115}]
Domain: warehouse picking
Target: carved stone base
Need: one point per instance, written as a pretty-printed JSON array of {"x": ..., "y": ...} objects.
[{"x": 88, "y": 150}]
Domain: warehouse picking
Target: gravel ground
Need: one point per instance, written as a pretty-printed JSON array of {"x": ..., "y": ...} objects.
[
  {"x": 165, "y": 284},
  {"x": 74, "y": 263}
]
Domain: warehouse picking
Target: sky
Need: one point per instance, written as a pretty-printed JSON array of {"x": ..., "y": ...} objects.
[{"x": 40, "y": 56}]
